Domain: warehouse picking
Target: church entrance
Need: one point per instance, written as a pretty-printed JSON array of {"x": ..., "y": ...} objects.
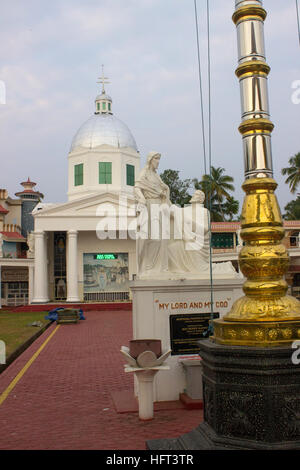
[{"x": 60, "y": 279}]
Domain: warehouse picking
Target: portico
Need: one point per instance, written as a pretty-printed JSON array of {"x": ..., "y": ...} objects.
[
  {"x": 83, "y": 251},
  {"x": 67, "y": 235}
]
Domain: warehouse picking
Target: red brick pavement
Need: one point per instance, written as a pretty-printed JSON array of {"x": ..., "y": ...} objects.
[{"x": 64, "y": 401}]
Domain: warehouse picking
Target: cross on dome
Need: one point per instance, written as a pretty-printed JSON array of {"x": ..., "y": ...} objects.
[
  {"x": 103, "y": 102},
  {"x": 103, "y": 80}
]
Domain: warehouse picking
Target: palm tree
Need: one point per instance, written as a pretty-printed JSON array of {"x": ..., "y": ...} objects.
[
  {"x": 231, "y": 207},
  {"x": 293, "y": 172},
  {"x": 216, "y": 186}
]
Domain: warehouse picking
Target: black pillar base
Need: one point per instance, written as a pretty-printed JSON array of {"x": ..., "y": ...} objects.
[{"x": 251, "y": 401}]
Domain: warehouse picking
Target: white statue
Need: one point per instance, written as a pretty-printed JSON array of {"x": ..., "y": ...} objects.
[
  {"x": 151, "y": 190},
  {"x": 172, "y": 242},
  {"x": 1, "y": 245},
  {"x": 30, "y": 243}
]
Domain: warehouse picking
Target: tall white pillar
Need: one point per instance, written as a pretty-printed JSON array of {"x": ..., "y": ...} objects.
[
  {"x": 30, "y": 283},
  {"x": 72, "y": 267},
  {"x": 40, "y": 268}
]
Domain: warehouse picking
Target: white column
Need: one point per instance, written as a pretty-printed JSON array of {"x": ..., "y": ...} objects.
[
  {"x": 72, "y": 267},
  {"x": 30, "y": 283},
  {"x": 40, "y": 268}
]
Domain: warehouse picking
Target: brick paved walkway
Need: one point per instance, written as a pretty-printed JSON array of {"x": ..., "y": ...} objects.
[{"x": 64, "y": 400}]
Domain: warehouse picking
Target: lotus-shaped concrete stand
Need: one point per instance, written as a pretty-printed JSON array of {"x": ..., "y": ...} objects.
[{"x": 145, "y": 367}]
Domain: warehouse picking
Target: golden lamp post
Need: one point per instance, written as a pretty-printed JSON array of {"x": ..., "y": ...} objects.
[
  {"x": 265, "y": 316},
  {"x": 251, "y": 390}
]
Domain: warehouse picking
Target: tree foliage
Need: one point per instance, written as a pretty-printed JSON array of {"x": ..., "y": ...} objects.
[
  {"x": 293, "y": 173},
  {"x": 179, "y": 189},
  {"x": 217, "y": 188},
  {"x": 292, "y": 210}
]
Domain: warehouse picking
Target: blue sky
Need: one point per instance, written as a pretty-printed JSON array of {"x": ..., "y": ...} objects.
[{"x": 51, "y": 55}]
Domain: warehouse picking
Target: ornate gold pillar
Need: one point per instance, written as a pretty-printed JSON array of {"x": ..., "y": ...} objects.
[{"x": 265, "y": 316}]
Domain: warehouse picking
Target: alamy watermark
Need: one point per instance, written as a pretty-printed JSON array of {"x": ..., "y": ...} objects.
[
  {"x": 153, "y": 222},
  {"x": 296, "y": 92},
  {"x": 296, "y": 354},
  {"x": 2, "y": 92}
]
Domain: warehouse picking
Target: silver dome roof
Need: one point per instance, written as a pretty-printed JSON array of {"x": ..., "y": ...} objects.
[
  {"x": 102, "y": 129},
  {"x": 103, "y": 96}
]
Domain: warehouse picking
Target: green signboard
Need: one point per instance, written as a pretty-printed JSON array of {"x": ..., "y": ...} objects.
[{"x": 105, "y": 256}]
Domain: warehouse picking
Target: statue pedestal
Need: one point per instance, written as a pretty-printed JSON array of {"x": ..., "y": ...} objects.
[
  {"x": 251, "y": 401},
  {"x": 177, "y": 312}
]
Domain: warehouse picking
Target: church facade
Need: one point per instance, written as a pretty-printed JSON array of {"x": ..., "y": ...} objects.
[{"x": 79, "y": 256}]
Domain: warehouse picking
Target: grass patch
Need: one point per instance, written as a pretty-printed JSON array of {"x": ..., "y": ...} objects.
[{"x": 14, "y": 329}]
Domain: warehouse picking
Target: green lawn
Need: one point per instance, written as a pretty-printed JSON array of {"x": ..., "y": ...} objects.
[{"x": 14, "y": 329}]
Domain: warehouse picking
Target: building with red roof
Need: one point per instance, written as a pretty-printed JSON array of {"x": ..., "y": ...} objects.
[{"x": 16, "y": 262}]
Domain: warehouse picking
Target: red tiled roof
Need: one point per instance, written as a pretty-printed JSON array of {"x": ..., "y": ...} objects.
[
  {"x": 14, "y": 236},
  {"x": 225, "y": 226},
  {"x": 3, "y": 211},
  {"x": 291, "y": 223},
  {"x": 234, "y": 226}
]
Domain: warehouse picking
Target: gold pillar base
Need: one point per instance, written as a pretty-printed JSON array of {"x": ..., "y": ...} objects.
[
  {"x": 265, "y": 316},
  {"x": 265, "y": 323},
  {"x": 258, "y": 334},
  {"x": 250, "y": 309}
]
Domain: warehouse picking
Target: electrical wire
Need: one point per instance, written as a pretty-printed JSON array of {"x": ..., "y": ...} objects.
[
  {"x": 209, "y": 202},
  {"x": 210, "y": 162},
  {"x": 200, "y": 86},
  {"x": 298, "y": 20}
]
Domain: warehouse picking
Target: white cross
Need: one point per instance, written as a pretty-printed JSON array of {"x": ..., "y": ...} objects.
[{"x": 103, "y": 80}]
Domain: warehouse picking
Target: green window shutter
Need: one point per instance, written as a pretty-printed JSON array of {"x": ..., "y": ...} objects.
[
  {"x": 98, "y": 106},
  {"x": 78, "y": 175},
  {"x": 104, "y": 106},
  {"x": 130, "y": 175},
  {"x": 105, "y": 172},
  {"x": 222, "y": 240}
]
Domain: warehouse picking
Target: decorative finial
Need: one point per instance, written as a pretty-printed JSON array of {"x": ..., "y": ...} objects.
[{"x": 103, "y": 80}]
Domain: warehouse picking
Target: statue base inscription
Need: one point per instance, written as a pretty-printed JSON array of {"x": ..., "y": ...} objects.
[
  {"x": 186, "y": 330},
  {"x": 156, "y": 308}
]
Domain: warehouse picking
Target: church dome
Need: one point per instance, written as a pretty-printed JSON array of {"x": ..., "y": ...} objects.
[{"x": 103, "y": 128}]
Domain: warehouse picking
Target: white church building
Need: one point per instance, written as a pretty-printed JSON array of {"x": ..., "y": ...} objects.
[{"x": 72, "y": 262}]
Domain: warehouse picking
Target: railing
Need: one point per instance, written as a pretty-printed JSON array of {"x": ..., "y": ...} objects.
[
  {"x": 107, "y": 296},
  {"x": 224, "y": 250},
  {"x": 14, "y": 300},
  {"x": 11, "y": 228}
]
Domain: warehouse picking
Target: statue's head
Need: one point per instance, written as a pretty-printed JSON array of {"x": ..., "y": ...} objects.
[
  {"x": 198, "y": 197},
  {"x": 153, "y": 160}
]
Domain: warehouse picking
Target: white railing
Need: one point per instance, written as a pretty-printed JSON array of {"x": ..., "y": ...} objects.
[
  {"x": 14, "y": 300},
  {"x": 107, "y": 296}
]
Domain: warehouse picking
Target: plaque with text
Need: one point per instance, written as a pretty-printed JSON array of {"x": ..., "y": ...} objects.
[{"x": 186, "y": 330}]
